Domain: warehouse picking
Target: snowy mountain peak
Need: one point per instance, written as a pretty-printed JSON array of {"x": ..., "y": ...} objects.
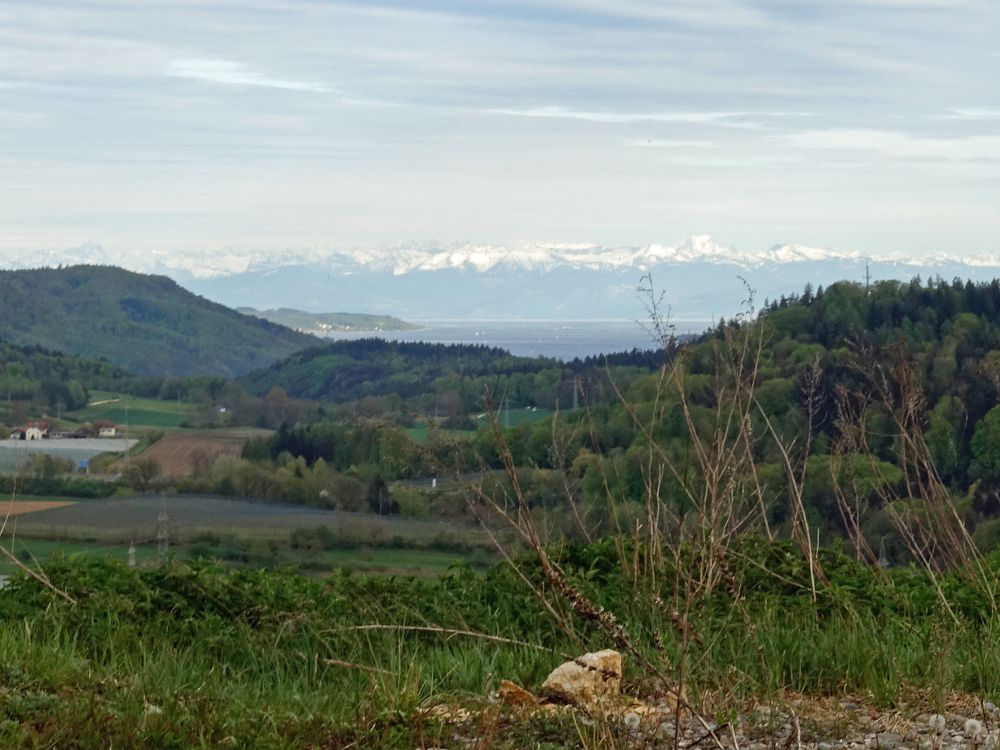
[{"x": 407, "y": 258}]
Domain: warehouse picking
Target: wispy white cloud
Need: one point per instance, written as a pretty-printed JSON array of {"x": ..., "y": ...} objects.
[
  {"x": 902, "y": 145},
  {"x": 233, "y": 73},
  {"x": 22, "y": 119},
  {"x": 708, "y": 13},
  {"x": 669, "y": 144},
  {"x": 975, "y": 114},
  {"x": 945, "y": 5},
  {"x": 727, "y": 119}
]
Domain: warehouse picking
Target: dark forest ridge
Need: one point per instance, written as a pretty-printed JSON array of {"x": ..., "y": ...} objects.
[{"x": 147, "y": 324}]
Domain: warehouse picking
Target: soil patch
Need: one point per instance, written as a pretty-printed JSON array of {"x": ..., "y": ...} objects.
[
  {"x": 20, "y": 507},
  {"x": 181, "y": 454}
]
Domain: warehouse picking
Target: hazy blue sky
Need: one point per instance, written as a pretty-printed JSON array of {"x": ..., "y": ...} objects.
[{"x": 871, "y": 125}]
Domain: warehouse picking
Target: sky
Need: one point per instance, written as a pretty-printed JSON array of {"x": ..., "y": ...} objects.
[{"x": 866, "y": 125}]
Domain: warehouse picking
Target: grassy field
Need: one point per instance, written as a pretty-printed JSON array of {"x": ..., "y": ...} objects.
[
  {"x": 514, "y": 417},
  {"x": 197, "y": 657},
  {"x": 252, "y": 534},
  {"x": 144, "y": 412},
  {"x": 42, "y": 551},
  {"x": 402, "y": 561},
  {"x": 420, "y": 432},
  {"x": 508, "y": 418},
  {"x": 363, "y": 560},
  {"x": 122, "y": 519}
]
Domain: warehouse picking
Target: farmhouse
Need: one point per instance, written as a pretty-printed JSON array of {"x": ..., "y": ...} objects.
[
  {"x": 105, "y": 428},
  {"x": 34, "y": 430}
]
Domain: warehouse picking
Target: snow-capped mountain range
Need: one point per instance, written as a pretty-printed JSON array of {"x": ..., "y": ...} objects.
[
  {"x": 702, "y": 278},
  {"x": 408, "y": 258}
]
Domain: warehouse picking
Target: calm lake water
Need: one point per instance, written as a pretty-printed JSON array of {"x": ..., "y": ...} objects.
[{"x": 550, "y": 338}]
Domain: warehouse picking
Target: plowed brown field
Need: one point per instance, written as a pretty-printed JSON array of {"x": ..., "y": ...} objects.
[
  {"x": 20, "y": 507},
  {"x": 179, "y": 454}
]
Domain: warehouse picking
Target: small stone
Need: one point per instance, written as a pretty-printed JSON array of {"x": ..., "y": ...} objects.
[
  {"x": 989, "y": 708},
  {"x": 849, "y": 706},
  {"x": 512, "y": 694},
  {"x": 888, "y": 741}
]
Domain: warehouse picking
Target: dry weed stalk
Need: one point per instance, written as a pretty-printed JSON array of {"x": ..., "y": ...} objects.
[
  {"x": 924, "y": 513},
  {"x": 697, "y": 501},
  {"x": 522, "y": 522}
]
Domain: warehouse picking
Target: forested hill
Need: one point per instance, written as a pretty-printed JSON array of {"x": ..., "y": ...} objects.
[
  {"x": 892, "y": 390},
  {"x": 31, "y": 372},
  {"x": 948, "y": 331},
  {"x": 147, "y": 324},
  {"x": 349, "y": 370}
]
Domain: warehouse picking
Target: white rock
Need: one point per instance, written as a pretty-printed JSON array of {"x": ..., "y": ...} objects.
[
  {"x": 586, "y": 681},
  {"x": 937, "y": 723}
]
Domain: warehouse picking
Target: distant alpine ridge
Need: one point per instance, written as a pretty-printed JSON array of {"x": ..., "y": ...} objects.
[
  {"x": 412, "y": 257},
  {"x": 700, "y": 278}
]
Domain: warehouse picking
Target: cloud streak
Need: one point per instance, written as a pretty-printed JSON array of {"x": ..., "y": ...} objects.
[
  {"x": 725, "y": 119},
  {"x": 230, "y": 73},
  {"x": 973, "y": 148}
]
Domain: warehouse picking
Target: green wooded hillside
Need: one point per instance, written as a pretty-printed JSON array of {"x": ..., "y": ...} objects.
[
  {"x": 350, "y": 370},
  {"x": 866, "y": 403},
  {"x": 147, "y": 324}
]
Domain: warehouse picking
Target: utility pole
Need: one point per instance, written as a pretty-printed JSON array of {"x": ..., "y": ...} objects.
[
  {"x": 868, "y": 276},
  {"x": 126, "y": 437},
  {"x": 163, "y": 536}
]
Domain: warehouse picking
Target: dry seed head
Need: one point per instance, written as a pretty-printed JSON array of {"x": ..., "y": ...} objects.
[{"x": 973, "y": 728}]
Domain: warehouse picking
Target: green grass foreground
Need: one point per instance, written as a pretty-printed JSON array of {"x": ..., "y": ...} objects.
[{"x": 193, "y": 655}]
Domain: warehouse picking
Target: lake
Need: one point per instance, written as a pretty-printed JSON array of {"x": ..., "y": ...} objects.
[{"x": 561, "y": 339}]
